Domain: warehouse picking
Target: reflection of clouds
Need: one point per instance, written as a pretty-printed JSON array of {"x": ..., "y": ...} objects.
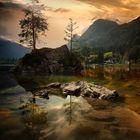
[
  {"x": 55, "y": 102},
  {"x": 88, "y": 123}
]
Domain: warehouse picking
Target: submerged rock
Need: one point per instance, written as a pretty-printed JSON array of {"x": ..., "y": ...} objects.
[{"x": 82, "y": 88}]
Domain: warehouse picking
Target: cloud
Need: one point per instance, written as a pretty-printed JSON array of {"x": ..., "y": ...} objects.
[
  {"x": 122, "y": 10},
  {"x": 11, "y": 5},
  {"x": 10, "y": 13},
  {"x": 62, "y": 10},
  {"x": 8, "y": 9},
  {"x": 128, "y": 4},
  {"x": 3, "y": 31},
  {"x": 58, "y": 10}
]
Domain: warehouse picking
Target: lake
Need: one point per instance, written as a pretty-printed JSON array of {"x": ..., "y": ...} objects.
[{"x": 71, "y": 118}]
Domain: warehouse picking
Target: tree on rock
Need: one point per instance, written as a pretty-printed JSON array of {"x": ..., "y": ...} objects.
[
  {"x": 71, "y": 27},
  {"x": 33, "y": 24}
]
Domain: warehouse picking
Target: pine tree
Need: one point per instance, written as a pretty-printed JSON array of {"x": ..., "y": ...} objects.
[
  {"x": 71, "y": 27},
  {"x": 33, "y": 24}
]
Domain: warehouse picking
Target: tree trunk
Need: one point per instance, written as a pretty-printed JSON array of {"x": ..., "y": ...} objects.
[
  {"x": 71, "y": 39},
  {"x": 71, "y": 45},
  {"x": 33, "y": 30}
]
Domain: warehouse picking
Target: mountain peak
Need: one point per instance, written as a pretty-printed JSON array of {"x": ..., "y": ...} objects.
[
  {"x": 109, "y": 35},
  {"x": 104, "y": 23},
  {"x": 98, "y": 21},
  {"x": 99, "y": 28}
]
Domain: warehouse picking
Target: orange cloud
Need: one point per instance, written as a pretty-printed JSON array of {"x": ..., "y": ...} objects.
[
  {"x": 62, "y": 10},
  {"x": 82, "y": 11},
  {"x": 124, "y": 10},
  {"x": 58, "y": 10},
  {"x": 128, "y": 4}
]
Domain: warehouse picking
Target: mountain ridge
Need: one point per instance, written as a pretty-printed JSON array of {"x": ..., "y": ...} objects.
[
  {"x": 123, "y": 40},
  {"x": 102, "y": 31},
  {"x": 10, "y": 49}
]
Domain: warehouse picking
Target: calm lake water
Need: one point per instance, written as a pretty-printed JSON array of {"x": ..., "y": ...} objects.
[{"x": 81, "y": 119}]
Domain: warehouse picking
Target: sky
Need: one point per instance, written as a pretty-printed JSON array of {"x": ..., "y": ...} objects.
[{"x": 58, "y": 12}]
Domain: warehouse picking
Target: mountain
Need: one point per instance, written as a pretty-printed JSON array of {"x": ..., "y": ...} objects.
[
  {"x": 127, "y": 34},
  {"x": 108, "y": 34},
  {"x": 98, "y": 30},
  {"x": 10, "y": 49}
]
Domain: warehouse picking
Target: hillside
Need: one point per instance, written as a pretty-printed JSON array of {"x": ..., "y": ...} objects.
[
  {"x": 9, "y": 49},
  {"x": 98, "y": 30},
  {"x": 123, "y": 39}
]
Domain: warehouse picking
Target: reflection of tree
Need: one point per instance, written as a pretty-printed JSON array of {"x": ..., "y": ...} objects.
[
  {"x": 100, "y": 72},
  {"x": 34, "y": 121},
  {"x": 70, "y": 111}
]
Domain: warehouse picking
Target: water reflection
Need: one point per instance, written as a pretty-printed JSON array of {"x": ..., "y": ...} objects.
[
  {"x": 100, "y": 72},
  {"x": 26, "y": 117},
  {"x": 34, "y": 120},
  {"x": 69, "y": 110},
  {"x": 70, "y": 115}
]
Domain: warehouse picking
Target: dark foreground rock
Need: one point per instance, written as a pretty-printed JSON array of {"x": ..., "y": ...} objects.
[
  {"x": 49, "y": 61},
  {"x": 81, "y": 88}
]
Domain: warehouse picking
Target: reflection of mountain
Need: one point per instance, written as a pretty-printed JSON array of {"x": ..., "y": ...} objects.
[
  {"x": 9, "y": 49},
  {"x": 110, "y": 35}
]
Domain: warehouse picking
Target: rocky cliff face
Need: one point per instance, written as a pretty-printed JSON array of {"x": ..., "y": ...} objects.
[{"x": 49, "y": 61}]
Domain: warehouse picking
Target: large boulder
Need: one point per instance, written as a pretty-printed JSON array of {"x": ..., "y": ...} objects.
[{"x": 49, "y": 61}]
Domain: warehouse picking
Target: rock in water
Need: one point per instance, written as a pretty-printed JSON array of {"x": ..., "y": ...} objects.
[
  {"x": 70, "y": 88},
  {"x": 104, "y": 93},
  {"x": 42, "y": 93},
  {"x": 54, "y": 85},
  {"x": 85, "y": 88},
  {"x": 82, "y": 88},
  {"x": 49, "y": 61}
]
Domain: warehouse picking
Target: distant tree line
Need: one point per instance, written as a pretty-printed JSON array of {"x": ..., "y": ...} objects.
[
  {"x": 8, "y": 60},
  {"x": 99, "y": 55}
]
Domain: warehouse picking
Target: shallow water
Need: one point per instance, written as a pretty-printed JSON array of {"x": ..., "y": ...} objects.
[{"x": 60, "y": 119}]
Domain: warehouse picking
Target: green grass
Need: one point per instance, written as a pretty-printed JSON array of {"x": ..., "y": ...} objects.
[{"x": 33, "y": 82}]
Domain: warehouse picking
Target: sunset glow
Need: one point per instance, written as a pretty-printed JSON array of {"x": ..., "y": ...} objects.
[{"x": 84, "y": 12}]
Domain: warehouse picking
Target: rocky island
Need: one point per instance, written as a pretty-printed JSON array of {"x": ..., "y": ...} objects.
[{"x": 49, "y": 61}]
